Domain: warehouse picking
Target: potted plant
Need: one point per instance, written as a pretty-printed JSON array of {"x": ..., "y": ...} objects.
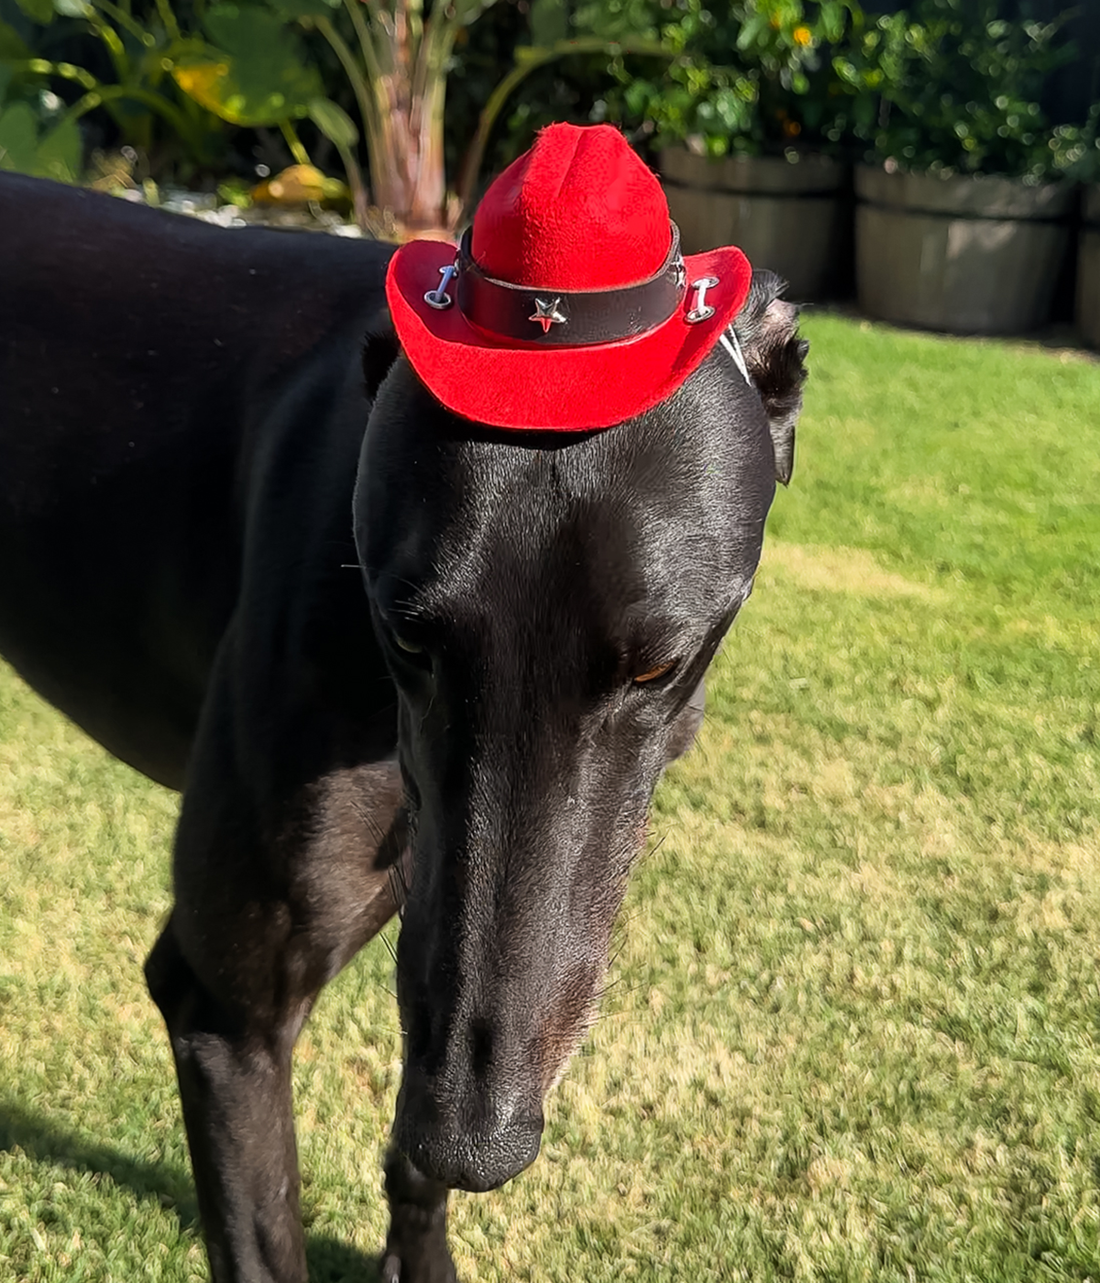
[
  {"x": 963, "y": 207},
  {"x": 748, "y": 122},
  {"x": 1085, "y": 165},
  {"x": 1088, "y": 268}
]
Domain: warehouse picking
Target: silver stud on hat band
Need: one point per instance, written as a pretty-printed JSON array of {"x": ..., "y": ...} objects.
[
  {"x": 437, "y": 298},
  {"x": 702, "y": 309}
]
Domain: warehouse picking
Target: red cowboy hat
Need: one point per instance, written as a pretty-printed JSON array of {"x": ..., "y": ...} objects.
[{"x": 568, "y": 304}]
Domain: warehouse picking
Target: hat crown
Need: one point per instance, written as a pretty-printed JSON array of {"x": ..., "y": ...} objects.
[{"x": 579, "y": 211}]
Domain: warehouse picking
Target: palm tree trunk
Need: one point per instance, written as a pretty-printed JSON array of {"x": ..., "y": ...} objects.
[{"x": 405, "y": 132}]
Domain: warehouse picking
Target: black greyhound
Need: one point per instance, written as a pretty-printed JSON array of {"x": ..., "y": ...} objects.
[{"x": 186, "y": 487}]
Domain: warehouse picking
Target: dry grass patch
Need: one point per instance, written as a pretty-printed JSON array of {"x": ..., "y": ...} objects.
[{"x": 843, "y": 570}]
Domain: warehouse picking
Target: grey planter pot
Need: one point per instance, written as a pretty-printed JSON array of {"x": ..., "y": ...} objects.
[
  {"x": 1088, "y": 269},
  {"x": 785, "y": 216},
  {"x": 969, "y": 255}
]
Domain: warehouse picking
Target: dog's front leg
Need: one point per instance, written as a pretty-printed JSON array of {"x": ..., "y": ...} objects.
[
  {"x": 416, "y": 1245},
  {"x": 235, "y": 1087},
  {"x": 265, "y": 915}
]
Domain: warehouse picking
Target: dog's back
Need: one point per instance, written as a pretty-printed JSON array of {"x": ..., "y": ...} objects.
[{"x": 153, "y": 370}]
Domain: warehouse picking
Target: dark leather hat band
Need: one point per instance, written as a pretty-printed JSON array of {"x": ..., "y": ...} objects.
[{"x": 569, "y": 318}]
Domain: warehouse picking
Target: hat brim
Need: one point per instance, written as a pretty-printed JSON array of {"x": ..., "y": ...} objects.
[{"x": 565, "y": 389}]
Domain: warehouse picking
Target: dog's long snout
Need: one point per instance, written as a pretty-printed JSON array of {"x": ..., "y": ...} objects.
[{"x": 473, "y": 1137}]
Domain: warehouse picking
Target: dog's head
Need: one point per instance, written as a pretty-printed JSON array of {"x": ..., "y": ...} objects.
[{"x": 548, "y": 604}]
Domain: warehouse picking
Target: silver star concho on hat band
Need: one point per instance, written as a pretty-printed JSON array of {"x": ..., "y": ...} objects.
[{"x": 547, "y": 314}]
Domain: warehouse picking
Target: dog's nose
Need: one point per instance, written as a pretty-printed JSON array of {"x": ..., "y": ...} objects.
[{"x": 464, "y": 1144}]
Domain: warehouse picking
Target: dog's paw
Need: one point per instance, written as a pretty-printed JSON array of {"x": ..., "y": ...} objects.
[{"x": 433, "y": 1265}]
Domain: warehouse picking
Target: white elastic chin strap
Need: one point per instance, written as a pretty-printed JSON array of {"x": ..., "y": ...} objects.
[{"x": 733, "y": 347}]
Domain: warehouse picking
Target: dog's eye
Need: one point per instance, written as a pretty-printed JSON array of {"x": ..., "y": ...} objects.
[
  {"x": 651, "y": 676},
  {"x": 412, "y": 654}
]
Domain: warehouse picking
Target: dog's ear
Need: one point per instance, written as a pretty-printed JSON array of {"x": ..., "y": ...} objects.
[
  {"x": 380, "y": 348},
  {"x": 767, "y": 329}
]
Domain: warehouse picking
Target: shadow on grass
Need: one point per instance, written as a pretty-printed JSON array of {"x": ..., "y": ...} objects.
[
  {"x": 330, "y": 1261},
  {"x": 42, "y": 1140}
]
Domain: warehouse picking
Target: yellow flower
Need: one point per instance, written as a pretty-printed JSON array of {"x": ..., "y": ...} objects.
[{"x": 802, "y": 36}]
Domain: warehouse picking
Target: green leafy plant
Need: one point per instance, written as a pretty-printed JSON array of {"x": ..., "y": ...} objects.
[
  {"x": 43, "y": 150},
  {"x": 1081, "y": 149},
  {"x": 952, "y": 85},
  {"x": 257, "y": 70},
  {"x": 34, "y": 137},
  {"x": 397, "y": 56},
  {"x": 257, "y": 63},
  {"x": 616, "y": 29},
  {"x": 254, "y": 70},
  {"x": 141, "y": 51},
  {"x": 245, "y": 65},
  {"x": 752, "y": 77}
]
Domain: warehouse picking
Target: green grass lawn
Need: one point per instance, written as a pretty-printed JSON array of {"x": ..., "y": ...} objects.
[{"x": 853, "y": 1030}]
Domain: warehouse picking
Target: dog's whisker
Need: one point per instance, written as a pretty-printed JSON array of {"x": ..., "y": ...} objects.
[{"x": 398, "y": 890}]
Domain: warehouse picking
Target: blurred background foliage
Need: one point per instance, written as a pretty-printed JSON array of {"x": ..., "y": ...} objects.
[{"x": 407, "y": 106}]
